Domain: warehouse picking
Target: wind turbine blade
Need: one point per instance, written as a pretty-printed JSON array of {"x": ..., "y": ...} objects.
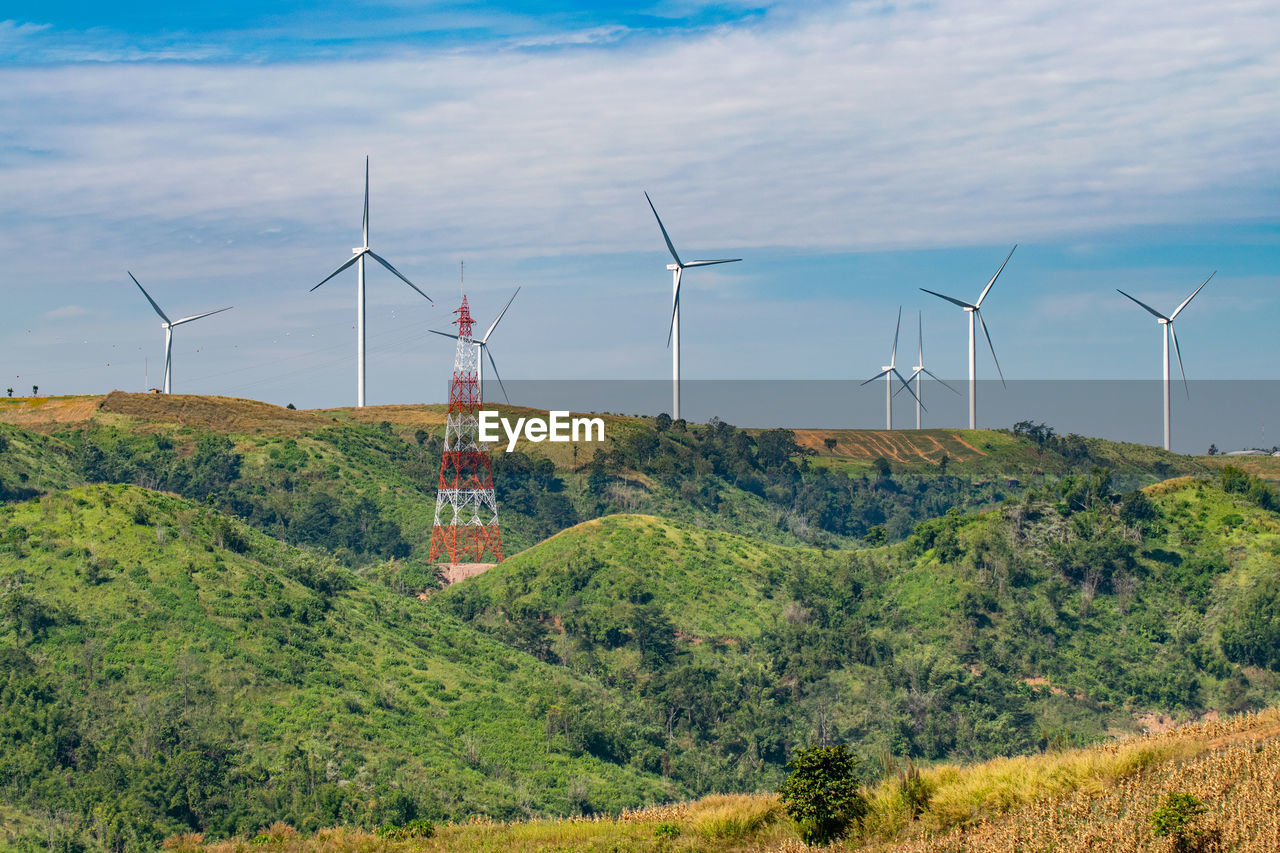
[
  {"x": 501, "y": 314},
  {"x": 675, "y": 305},
  {"x": 1178, "y": 310},
  {"x": 443, "y": 334},
  {"x": 149, "y": 299},
  {"x": 874, "y": 378},
  {"x": 665, "y": 236},
  {"x": 920, "y": 321},
  {"x": 354, "y": 258},
  {"x": 893, "y": 356},
  {"x": 198, "y": 316},
  {"x": 907, "y": 385},
  {"x": 985, "y": 290},
  {"x": 910, "y": 378},
  {"x": 1186, "y": 387},
  {"x": 365, "y": 221},
  {"x": 494, "y": 365},
  {"x": 1150, "y": 310},
  {"x": 937, "y": 378},
  {"x": 397, "y": 274},
  {"x": 992, "y": 347},
  {"x": 948, "y": 298},
  {"x": 709, "y": 263}
]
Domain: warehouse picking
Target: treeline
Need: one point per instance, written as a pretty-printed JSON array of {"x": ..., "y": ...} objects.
[{"x": 822, "y": 504}]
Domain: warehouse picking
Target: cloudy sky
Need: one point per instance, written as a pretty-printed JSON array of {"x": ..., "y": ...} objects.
[{"x": 849, "y": 152}]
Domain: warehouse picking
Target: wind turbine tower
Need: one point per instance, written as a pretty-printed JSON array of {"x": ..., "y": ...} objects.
[
  {"x": 359, "y": 253},
  {"x": 673, "y": 335},
  {"x": 919, "y": 371},
  {"x": 889, "y": 371},
  {"x": 975, "y": 317},
  {"x": 1166, "y": 333},
  {"x": 168, "y": 326}
]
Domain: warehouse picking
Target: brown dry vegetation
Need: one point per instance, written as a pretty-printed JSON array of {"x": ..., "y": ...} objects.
[
  {"x": 904, "y": 446},
  {"x": 1100, "y": 798},
  {"x": 38, "y": 412},
  {"x": 219, "y": 414},
  {"x": 1267, "y": 467}
]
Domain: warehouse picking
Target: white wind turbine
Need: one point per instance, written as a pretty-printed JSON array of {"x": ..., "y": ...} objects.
[
  {"x": 359, "y": 253},
  {"x": 919, "y": 371},
  {"x": 483, "y": 345},
  {"x": 1166, "y": 333},
  {"x": 168, "y": 330},
  {"x": 673, "y": 335},
  {"x": 889, "y": 371},
  {"x": 975, "y": 314}
]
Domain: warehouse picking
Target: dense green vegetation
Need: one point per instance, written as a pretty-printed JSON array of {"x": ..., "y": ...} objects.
[
  {"x": 1051, "y": 620},
  {"x": 224, "y": 630},
  {"x": 167, "y": 669},
  {"x": 365, "y": 492}
]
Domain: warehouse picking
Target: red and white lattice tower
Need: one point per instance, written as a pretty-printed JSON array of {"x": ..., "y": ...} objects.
[{"x": 466, "y": 524}]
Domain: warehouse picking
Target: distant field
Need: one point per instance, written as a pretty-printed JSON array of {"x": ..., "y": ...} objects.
[{"x": 909, "y": 447}]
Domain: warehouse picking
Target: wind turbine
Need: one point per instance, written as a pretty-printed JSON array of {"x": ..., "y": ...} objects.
[
  {"x": 483, "y": 345},
  {"x": 888, "y": 372},
  {"x": 1166, "y": 333},
  {"x": 359, "y": 254},
  {"x": 975, "y": 314},
  {"x": 168, "y": 330},
  {"x": 918, "y": 373},
  {"x": 673, "y": 335}
]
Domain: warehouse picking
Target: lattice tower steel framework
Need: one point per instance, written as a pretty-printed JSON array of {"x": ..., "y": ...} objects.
[{"x": 466, "y": 522}]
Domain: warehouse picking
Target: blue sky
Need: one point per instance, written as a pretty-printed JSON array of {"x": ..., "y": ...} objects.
[{"x": 850, "y": 153}]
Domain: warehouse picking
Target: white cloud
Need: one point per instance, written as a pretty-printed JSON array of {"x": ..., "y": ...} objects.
[
  {"x": 67, "y": 312},
  {"x": 859, "y": 127},
  {"x": 961, "y": 122}
]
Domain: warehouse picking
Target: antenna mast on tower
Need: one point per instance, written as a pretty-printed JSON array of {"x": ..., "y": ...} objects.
[{"x": 466, "y": 522}]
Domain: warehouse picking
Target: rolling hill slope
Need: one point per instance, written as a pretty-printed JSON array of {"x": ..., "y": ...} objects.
[
  {"x": 1050, "y": 620},
  {"x": 167, "y": 668}
]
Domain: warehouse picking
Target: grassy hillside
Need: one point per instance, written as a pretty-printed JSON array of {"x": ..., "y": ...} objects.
[
  {"x": 1100, "y": 798},
  {"x": 361, "y": 482},
  {"x": 166, "y": 667},
  {"x": 1052, "y": 620},
  {"x": 240, "y": 634}
]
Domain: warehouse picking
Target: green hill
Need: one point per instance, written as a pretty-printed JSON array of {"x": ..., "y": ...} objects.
[
  {"x": 166, "y": 669},
  {"x": 244, "y": 627},
  {"x": 361, "y": 483},
  {"x": 1051, "y": 620}
]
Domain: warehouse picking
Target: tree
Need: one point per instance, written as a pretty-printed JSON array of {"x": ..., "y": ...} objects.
[
  {"x": 35, "y": 390},
  {"x": 662, "y": 422},
  {"x": 1213, "y": 450},
  {"x": 1176, "y": 820},
  {"x": 830, "y": 443},
  {"x": 822, "y": 793},
  {"x": 10, "y": 390}
]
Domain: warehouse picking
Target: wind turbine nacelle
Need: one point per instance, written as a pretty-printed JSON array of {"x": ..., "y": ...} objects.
[
  {"x": 358, "y": 250},
  {"x": 673, "y": 266}
]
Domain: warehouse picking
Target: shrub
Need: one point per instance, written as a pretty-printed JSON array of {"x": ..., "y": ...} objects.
[
  {"x": 822, "y": 792},
  {"x": 419, "y": 828},
  {"x": 1176, "y": 820}
]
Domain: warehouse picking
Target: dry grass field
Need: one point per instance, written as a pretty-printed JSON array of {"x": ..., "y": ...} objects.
[{"x": 1093, "y": 799}]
